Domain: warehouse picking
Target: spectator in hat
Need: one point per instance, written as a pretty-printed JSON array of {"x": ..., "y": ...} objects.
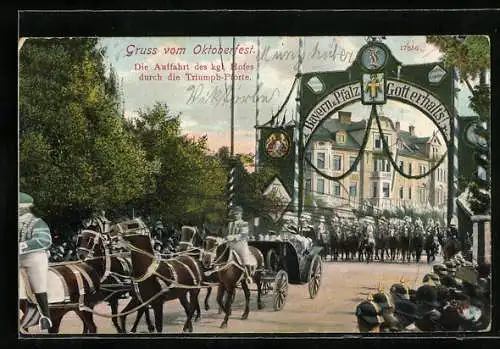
[
  {"x": 406, "y": 313},
  {"x": 386, "y": 304},
  {"x": 440, "y": 270},
  {"x": 400, "y": 291},
  {"x": 427, "y": 305},
  {"x": 369, "y": 316},
  {"x": 431, "y": 278}
]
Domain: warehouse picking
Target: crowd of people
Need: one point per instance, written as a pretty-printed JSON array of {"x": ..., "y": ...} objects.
[{"x": 455, "y": 296}]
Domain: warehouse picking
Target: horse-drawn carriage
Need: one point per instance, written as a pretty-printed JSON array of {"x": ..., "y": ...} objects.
[{"x": 285, "y": 265}]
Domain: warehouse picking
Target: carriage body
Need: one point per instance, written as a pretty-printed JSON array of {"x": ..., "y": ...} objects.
[{"x": 283, "y": 265}]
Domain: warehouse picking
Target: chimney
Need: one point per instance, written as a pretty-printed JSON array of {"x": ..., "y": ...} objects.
[
  {"x": 412, "y": 130},
  {"x": 345, "y": 117},
  {"x": 398, "y": 126}
]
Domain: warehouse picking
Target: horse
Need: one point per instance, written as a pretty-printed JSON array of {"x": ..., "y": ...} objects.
[
  {"x": 192, "y": 243},
  {"x": 367, "y": 248},
  {"x": 71, "y": 285},
  {"x": 430, "y": 247},
  {"x": 230, "y": 272},
  {"x": 159, "y": 280},
  {"x": 417, "y": 243},
  {"x": 393, "y": 244},
  {"x": 335, "y": 243},
  {"x": 381, "y": 244},
  {"x": 404, "y": 243},
  {"x": 115, "y": 283}
]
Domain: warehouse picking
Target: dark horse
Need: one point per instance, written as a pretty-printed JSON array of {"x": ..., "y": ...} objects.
[
  {"x": 366, "y": 249},
  {"x": 417, "y": 243},
  {"x": 231, "y": 272},
  {"x": 335, "y": 238},
  {"x": 159, "y": 280},
  {"x": 393, "y": 243},
  {"x": 81, "y": 283},
  {"x": 430, "y": 246},
  {"x": 404, "y": 244},
  {"x": 116, "y": 281}
]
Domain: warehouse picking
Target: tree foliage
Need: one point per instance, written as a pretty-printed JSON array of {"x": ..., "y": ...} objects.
[
  {"x": 471, "y": 55},
  {"x": 74, "y": 150}
]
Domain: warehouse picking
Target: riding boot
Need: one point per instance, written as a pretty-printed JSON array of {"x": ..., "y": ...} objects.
[{"x": 43, "y": 306}]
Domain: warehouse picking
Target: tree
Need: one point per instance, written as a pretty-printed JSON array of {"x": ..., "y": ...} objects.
[
  {"x": 189, "y": 182},
  {"x": 471, "y": 56},
  {"x": 75, "y": 155}
]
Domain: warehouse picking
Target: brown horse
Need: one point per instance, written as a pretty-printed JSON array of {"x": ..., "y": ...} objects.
[
  {"x": 231, "y": 272},
  {"x": 157, "y": 281},
  {"x": 78, "y": 284},
  {"x": 116, "y": 281}
]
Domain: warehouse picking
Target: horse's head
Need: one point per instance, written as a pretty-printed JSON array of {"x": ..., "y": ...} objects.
[
  {"x": 90, "y": 244},
  {"x": 135, "y": 241},
  {"x": 211, "y": 243}
]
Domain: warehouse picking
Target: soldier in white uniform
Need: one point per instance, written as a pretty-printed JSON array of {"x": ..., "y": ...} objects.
[
  {"x": 34, "y": 242},
  {"x": 237, "y": 237}
]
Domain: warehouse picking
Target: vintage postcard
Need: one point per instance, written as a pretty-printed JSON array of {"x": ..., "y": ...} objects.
[{"x": 227, "y": 185}]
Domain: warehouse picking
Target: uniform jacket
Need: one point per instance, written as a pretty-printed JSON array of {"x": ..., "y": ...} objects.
[
  {"x": 34, "y": 234},
  {"x": 237, "y": 229}
]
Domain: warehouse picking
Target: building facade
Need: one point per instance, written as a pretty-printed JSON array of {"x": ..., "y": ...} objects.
[{"x": 338, "y": 141}]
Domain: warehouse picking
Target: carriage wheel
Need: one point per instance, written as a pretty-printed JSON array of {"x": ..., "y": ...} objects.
[
  {"x": 272, "y": 260},
  {"x": 280, "y": 290},
  {"x": 315, "y": 274}
]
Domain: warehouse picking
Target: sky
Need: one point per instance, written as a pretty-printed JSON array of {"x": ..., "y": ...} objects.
[{"x": 277, "y": 68}]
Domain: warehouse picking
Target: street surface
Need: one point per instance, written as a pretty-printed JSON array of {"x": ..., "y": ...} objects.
[{"x": 344, "y": 285}]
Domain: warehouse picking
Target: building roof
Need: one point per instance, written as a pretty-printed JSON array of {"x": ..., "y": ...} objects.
[{"x": 413, "y": 146}]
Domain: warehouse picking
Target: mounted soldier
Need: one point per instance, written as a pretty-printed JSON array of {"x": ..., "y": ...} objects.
[
  {"x": 237, "y": 237},
  {"x": 452, "y": 232},
  {"x": 34, "y": 243}
]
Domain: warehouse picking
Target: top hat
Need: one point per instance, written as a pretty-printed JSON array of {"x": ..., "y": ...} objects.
[{"x": 427, "y": 295}]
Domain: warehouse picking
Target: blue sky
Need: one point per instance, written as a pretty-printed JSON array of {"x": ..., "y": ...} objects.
[{"x": 212, "y": 117}]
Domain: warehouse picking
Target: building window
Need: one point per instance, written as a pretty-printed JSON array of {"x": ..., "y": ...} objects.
[
  {"x": 385, "y": 189},
  {"x": 409, "y": 169},
  {"x": 340, "y": 138},
  {"x": 351, "y": 162},
  {"x": 321, "y": 161},
  {"x": 336, "y": 190},
  {"x": 378, "y": 142},
  {"x": 422, "y": 195},
  {"x": 409, "y": 193},
  {"x": 401, "y": 193},
  {"x": 353, "y": 190},
  {"x": 337, "y": 162},
  {"x": 422, "y": 169},
  {"x": 401, "y": 166},
  {"x": 374, "y": 187},
  {"x": 381, "y": 165},
  {"x": 320, "y": 186}
]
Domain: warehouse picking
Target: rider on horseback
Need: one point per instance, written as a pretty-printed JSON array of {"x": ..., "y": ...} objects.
[
  {"x": 237, "y": 237},
  {"x": 34, "y": 242},
  {"x": 452, "y": 232}
]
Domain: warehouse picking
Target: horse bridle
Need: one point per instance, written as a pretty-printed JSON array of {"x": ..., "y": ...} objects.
[{"x": 95, "y": 241}]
